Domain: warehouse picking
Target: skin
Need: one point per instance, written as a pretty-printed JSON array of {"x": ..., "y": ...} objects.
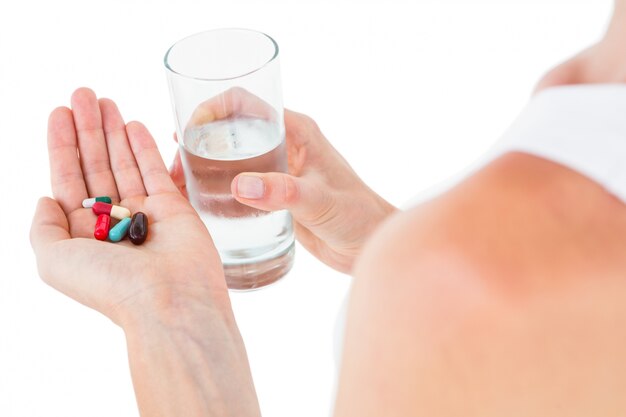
[{"x": 504, "y": 296}]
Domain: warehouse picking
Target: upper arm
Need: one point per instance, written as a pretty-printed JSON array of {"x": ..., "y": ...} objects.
[{"x": 409, "y": 302}]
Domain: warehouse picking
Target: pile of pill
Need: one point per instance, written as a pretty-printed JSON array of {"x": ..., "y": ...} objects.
[{"x": 136, "y": 227}]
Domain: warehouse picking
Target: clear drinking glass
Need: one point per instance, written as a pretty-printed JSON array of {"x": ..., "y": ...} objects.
[{"x": 226, "y": 94}]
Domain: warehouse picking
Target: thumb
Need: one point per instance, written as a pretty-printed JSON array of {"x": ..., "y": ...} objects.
[
  {"x": 65, "y": 263},
  {"x": 49, "y": 224},
  {"x": 307, "y": 202}
]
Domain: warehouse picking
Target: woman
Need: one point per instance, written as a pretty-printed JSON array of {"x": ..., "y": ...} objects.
[{"x": 502, "y": 296}]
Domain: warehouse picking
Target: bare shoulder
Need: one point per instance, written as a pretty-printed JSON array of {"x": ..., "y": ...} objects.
[
  {"x": 502, "y": 295},
  {"x": 520, "y": 225}
]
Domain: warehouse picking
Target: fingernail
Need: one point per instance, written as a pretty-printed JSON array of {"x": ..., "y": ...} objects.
[{"x": 250, "y": 187}]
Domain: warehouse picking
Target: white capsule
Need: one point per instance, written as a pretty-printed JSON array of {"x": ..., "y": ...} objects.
[{"x": 119, "y": 212}]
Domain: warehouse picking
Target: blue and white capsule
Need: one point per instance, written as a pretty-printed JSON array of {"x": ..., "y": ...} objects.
[{"x": 118, "y": 231}]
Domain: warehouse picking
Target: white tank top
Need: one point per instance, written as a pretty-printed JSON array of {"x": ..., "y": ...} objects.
[{"x": 582, "y": 127}]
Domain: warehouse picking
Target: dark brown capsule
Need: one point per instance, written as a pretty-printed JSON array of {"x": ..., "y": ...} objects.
[{"x": 138, "y": 230}]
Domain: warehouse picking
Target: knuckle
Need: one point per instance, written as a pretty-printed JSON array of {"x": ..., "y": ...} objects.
[
  {"x": 291, "y": 191},
  {"x": 309, "y": 123},
  {"x": 66, "y": 178},
  {"x": 236, "y": 90},
  {"x": 123, "y": 164},
  {"x": 96, "y": 166},
  {"x": 300, "y": 124}
]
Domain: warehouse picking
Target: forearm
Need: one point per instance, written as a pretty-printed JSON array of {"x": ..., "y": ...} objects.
[{"x": 190, "y": 361}]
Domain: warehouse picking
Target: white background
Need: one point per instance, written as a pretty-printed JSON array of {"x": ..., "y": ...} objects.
[{"x": 410, "y": 92}]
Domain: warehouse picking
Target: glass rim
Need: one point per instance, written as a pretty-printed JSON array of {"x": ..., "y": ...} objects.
[{"x": 232, "y": 29}]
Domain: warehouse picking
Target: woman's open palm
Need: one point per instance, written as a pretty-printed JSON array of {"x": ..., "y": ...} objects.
[{"x": 94, "y": 153}]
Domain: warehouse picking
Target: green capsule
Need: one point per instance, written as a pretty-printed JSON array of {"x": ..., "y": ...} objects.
[
  {"x": 89, "y": 202},
  {"x": 118, "y": 232}
]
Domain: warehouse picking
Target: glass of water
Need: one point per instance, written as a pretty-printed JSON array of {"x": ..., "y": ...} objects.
[{"x": 226, "y": 94}]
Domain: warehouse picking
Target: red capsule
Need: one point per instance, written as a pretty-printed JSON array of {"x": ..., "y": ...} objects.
[
  {"x": 113, "y": 211},
  {"x": 102, "y": 227},
  {"x": 138, "y": 230}
]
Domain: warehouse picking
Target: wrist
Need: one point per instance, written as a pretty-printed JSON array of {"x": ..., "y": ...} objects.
[
  {"x": 180, "y": 317},
  {"x": 187, "y": 357},
  {"x": 171, "y": 305}
]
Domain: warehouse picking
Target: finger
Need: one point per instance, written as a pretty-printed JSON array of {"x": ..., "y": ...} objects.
[
  {"x": 49, "y": 224},
  {"x": 308, "y": 203},
  {"x": 232, "y": 102},
  {"x": 123, "y": 164},
  {"x": 156, "y": 178},
  {"x": 178, "y": 174},
  {"x": 68, "y": 184},
  {"x": 94, "y": 157}
]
